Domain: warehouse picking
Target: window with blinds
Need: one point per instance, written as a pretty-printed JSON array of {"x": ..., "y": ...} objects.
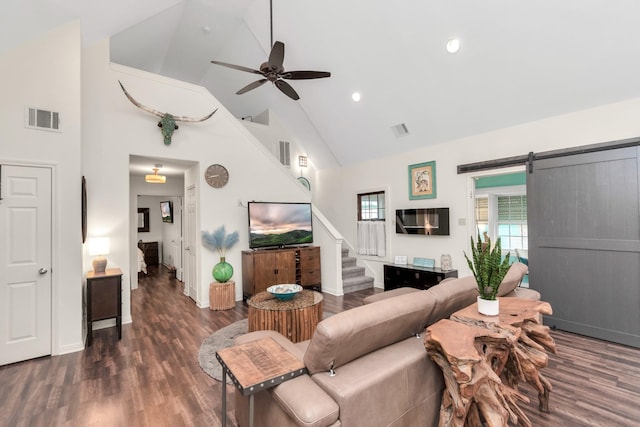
[
  {"x": 482, "y": 215},
  {"x": 512, "y": 222},
  {"x": 512, "y": 208},
  {"x": 504, "y": 217}
]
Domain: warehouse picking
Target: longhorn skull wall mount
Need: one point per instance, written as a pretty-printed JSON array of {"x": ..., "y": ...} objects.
[{"x": 167, "y": 123}]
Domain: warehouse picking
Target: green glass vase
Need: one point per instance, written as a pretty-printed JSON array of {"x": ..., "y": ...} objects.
[{"x": 222, "y": 271}]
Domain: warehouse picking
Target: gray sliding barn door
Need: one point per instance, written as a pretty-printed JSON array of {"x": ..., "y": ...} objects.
[{"x": 584, "y": 242}]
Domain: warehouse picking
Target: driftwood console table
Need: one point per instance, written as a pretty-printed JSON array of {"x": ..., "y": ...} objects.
[{"x": 483, "y": 358}]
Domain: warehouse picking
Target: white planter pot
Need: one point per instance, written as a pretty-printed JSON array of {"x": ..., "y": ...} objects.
[{"x": 488, "y": 307}]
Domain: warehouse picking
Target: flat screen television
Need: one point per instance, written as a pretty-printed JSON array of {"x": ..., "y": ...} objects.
[
  {"x": 430, "y": 222},
  {"x": 166, "y": 211},
  {"x": 279, "y": 224}
]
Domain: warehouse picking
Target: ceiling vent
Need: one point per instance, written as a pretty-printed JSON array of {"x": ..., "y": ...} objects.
[
  {"x": 36, "y": 118},
  {"x": 400, "y": 130}
]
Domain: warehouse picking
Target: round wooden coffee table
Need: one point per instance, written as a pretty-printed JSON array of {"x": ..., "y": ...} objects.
[{"x": 296, "y": 319}]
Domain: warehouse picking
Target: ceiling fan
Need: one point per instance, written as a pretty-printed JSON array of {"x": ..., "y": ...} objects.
[{"x": 273, "y": 70}]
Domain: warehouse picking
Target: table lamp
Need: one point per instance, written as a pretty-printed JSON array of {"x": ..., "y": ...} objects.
[{"x": 99, "y": 247}]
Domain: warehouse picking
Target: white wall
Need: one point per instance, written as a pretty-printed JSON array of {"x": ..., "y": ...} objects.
[
  {"x": 270, "y": 130},
  {"x": 115, "y": 129},
  {"x": 155, "y": 232},
  {"x": 45, "y": 73},
  {"x": 336, "y": 194},
  {"x": 160, "y": 231}
]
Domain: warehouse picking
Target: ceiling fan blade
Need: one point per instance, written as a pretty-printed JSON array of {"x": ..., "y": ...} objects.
[
  {"x": 287, "y": 89},
  {"x": 276, "y": 57},
  {"x": 237, "y": 67},
  {"x": 251, "y": 86},
  {"x": 304, "y": 75}
]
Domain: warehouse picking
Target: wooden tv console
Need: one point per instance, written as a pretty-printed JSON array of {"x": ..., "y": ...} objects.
[{"x": 267, "y": 267}]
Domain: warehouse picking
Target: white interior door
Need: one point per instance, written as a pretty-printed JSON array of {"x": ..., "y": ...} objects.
[
  {"x": 190, "y": 270},
  {"x": 25, "y": 263}
]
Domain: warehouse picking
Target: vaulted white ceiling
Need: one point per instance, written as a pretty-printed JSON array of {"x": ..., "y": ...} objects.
[{"x": 519, "y": 61}]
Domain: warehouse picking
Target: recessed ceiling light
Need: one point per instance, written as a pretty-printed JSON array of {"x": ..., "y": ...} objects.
[
  {"x": 453, "y": 45},
  {"x": 356, "y": 96}
]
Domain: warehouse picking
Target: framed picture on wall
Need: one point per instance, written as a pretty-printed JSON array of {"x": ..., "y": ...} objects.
[{"x": 422, "y": 180}]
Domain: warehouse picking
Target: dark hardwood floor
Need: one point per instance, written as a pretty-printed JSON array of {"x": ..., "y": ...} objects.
[{"x": 152, "y": 377}]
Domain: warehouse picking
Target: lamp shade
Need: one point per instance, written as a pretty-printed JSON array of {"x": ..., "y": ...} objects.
[{"x": 99, "y": 246}]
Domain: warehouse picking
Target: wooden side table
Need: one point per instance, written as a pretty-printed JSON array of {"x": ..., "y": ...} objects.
[
  {"x": 296, "y": 319},
  {"x": 104, "y": 299},
  {"x": 256, "y": 366},
  {"x": 222, "y": 296},
  {"x": 483, "y": 358}
]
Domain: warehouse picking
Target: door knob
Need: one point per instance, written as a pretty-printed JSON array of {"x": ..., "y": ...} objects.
[{"x": 43, "y": 271}]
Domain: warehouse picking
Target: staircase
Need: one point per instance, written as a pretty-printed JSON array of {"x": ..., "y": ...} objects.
[{"x": 353, "y": 278}]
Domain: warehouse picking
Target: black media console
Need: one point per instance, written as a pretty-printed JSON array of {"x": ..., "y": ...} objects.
[{"x": 399, "y": 276}]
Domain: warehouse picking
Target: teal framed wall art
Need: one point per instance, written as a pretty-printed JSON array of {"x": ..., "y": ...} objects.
[{"x": 422, "y": 181}]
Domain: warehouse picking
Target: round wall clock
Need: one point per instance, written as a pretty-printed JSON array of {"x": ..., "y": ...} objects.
[
  {"x": 305, "y": 182},
  {"x": 216, "y": 176}
]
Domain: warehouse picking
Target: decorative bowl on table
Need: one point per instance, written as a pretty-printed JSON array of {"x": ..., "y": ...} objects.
[{"x": 284, "y": 292}]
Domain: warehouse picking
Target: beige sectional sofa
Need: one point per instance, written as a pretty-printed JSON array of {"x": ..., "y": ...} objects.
[{"x": 367, "y": 366}]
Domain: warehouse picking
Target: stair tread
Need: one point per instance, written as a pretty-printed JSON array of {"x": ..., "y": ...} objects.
[
  {"x": 353, "y": 277},
  {"x": 357, "y": 286},
  {"x": 357, "y": 279}
]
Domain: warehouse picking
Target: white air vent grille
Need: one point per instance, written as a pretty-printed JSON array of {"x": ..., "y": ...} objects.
[
  {"x": 400, "y": 130},
  {"x": 285, "y": 154},
  {"x": 36, "y": 118}
]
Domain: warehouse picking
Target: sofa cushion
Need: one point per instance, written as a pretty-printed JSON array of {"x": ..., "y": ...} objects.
[
  {"x": 353, "y": 333},
  {"x": 525, "y": 293},
  {"x": 451, "y": 296},
  {"x": 396, "y": 385},
  {"x": 388, "y": 294},
  {"x": 513, "y": 278}
]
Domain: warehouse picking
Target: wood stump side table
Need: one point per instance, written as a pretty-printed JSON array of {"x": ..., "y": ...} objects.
[
  {"x": 296, "y": 319},
  {"x": 222, "y": 296},
  {"x": 483, "y": 358}
]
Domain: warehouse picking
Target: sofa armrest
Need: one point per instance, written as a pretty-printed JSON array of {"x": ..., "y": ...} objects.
[{"x": 306, "y": 402}]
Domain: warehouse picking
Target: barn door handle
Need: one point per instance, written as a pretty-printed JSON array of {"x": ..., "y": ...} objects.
[{"x": 43, "y": 271}]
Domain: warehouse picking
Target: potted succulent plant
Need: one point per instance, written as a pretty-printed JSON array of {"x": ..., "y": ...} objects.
[
  {"x": 219, "y": 241},
  {"x": 489, "y": 268}
]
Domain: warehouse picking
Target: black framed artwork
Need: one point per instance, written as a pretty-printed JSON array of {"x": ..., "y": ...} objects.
[{"x": 84, "y": 209}]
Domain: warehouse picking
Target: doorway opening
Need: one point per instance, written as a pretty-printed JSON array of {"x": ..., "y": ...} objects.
[
  {"x": 159, "y": 240},
  {"x": 499, "y": 203}
]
